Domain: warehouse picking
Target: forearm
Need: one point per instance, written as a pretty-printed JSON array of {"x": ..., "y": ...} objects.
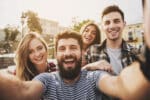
[
  {"x": 9, "y": 87},
  {"x": 135, "y": 85},
  {"x": 111, "y": 86},
  {"x": 129, "y": 85}
]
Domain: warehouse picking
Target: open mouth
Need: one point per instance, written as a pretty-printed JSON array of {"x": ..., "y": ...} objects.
[
  {"x": 69, "y": 62},
  {"x": 88, "y": 38},
  {"x": 39, "y": 58}
]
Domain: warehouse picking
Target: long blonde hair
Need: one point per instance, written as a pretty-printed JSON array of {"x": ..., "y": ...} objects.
[{"x": 25, "y": 68}]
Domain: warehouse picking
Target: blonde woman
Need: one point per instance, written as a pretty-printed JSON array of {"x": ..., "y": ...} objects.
[{"x": 31, "y": 57}]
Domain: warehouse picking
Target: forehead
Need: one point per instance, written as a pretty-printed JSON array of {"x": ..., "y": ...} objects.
[
  {"x": 112, "y": 16},
  {"x": 92, "y": 27},
  {"x": 35, "y": 42},
  {"x": 66, "y": 42}
]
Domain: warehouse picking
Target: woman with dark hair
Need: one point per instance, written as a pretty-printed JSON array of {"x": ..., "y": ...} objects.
[{"x": 90, "y": 35}]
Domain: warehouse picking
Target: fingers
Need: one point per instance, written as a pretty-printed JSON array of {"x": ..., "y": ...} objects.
[
  {"x": 88, "y": 67},
  {"x": 99, "y": 65},
  {"x": 107, "y": 68}
]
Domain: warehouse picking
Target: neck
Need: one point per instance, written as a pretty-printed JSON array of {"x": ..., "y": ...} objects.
[
  {"x": 84, "y": 47},
  {"x": 116, "y": 44},
  {"x": 71, "y": 81},
  {"x": 42, "y": 68}
]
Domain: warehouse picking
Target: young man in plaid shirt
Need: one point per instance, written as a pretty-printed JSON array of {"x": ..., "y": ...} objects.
[{"x": 114, "y": 49}]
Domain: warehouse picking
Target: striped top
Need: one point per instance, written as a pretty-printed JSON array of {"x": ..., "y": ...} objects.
[{"x": 84, "y": 89}]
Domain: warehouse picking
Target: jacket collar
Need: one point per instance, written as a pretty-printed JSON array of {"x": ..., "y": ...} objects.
[{"x": 124, "y": 46}]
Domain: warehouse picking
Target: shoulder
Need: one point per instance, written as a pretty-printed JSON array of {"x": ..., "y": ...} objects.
[
  {"x": 42, "y": 76},
  {"x": 93, "y": 74},
  {"x": 129, "y": 48},
  {"x": 96, "y": 48},
  {"x": 47, "y": 78}
]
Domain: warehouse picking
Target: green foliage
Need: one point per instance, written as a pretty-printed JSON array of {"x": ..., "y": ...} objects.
[
  {"x": 11, "y": 33},
  {"x": 33, "y": 21},
  {"x": 10, "y": 38},
  {"x": 77, "y": 26},
  {"x": 6, "y": 30}
]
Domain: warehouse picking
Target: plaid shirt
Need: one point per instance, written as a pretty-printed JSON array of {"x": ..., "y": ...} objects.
[{"x": 98, "y": 52}]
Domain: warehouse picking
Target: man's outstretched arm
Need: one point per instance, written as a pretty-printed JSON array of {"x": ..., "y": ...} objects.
[
  {"x": 11, "y": 88},
  {"x": 130, "y": 84}
]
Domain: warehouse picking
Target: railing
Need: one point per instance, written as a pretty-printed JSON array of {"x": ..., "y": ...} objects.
[{"x": 6, "y": 60}]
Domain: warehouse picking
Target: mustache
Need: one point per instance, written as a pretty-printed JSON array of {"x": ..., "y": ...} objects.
[{"x": 68, "y": 57}]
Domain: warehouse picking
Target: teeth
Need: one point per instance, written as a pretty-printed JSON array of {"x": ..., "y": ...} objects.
[
  {"x": 67, "y": 60},
  {"x": 39, "y": 58},
  {"x": 88, "y": 39}
]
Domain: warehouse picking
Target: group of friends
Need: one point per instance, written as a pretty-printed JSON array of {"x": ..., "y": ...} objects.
[{"x": 87, "y": 69}]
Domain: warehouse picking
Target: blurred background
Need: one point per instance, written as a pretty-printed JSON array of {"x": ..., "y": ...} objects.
[{"x": 50, "y": 17}]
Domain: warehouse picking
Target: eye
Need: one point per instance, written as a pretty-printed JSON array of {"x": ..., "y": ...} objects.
[
  {"x": 107, "y": 22},
  {"x": 94, "y": 32},
  {"x": 73, "y": 47},
  {"x": 117, "y": 21},
  {"x": 39, "y": 48},
  {"x": 86, "y": 30},
  {"x": 61, "y": 48},
  {"x": 31, "y": 51}
]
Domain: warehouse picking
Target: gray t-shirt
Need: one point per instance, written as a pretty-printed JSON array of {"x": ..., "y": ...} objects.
[
  {"x": 84, "y": 89},
  {"x": 115, "y": 59}
]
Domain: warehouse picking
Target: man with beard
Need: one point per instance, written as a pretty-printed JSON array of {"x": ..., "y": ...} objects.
[
  {"x": 114, "y": 49},
  {"x": 70, "y": 83}
]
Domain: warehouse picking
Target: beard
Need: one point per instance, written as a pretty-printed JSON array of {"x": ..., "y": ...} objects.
[{"x": 69, "y": 73}]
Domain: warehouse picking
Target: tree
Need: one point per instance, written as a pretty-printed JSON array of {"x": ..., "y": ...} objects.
[
  {"x": 32, "y": 21},
  {"x": 10, "y": 37},
  {"x": 7, "y": 33},
  {"x": 11, "y": 33},
  {"x": 77, "y": 25}
]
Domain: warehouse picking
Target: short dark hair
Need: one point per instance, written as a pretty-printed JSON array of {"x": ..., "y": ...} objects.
[
  {"x": 112, "y": 8},
  {"x": 68, "y": 34}
]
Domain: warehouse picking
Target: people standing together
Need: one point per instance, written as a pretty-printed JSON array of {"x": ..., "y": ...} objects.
[{"x": 71, "y": 82}]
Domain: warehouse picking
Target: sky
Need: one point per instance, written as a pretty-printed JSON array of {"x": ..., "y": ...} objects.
[{"x": 63, "y": 11}]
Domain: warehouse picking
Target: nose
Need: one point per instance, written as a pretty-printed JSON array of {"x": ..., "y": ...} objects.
[
  {"x": 88, "y": 33},
  {"x": 112, "y": 25},
  {"x": 37, "y": 53},
  {"x": 67, "y": 51}
]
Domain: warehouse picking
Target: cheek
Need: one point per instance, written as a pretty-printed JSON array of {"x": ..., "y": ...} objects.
[
  {"x": 83, "y": 35},
  {"x": 94, "y": 36},
  {"x": 78, "y": 55},
  {"x": 31, "y": 57},
  {"x": 58, "y": 56},
  {"x": 45, "y": 55},
  {"x": 43, "y": 51},
  {"x": 104, "y": 27}
]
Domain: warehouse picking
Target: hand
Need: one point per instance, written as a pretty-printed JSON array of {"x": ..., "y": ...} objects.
[
  {"x": 99, "y": 65},
  {"x": 132, "y": 88}
]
